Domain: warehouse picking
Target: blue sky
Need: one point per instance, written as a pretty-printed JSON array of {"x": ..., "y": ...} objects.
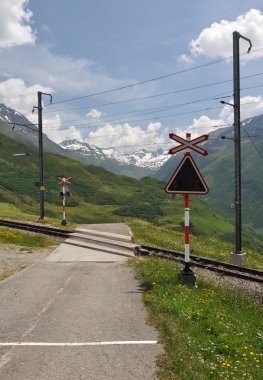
[{"x": 75, "y": 49}]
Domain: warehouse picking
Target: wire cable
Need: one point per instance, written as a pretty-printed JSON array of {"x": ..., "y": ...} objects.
[{"x": 156, "y": 78}]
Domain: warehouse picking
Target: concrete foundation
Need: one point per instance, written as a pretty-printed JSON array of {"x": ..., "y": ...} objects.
[{"x": 239, "y": 259}]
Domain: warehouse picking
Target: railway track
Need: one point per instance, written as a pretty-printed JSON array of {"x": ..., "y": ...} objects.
[
  {"x": 35, "y": 228},
  {"x": 221, "y": 267},
  {"x": 143, "y": 250}
]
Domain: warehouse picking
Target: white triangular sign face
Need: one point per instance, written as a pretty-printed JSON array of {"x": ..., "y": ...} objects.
[{"x": 187, "y": 179}]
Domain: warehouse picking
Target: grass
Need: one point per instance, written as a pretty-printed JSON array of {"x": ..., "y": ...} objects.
[
  {"x": 12, "y": 212},
  {"x": 9, "y": 272},
  {"x": 208, "y": 332},
  {"x": 29, "y": 240},
  {"x": 212, "y": 247}
]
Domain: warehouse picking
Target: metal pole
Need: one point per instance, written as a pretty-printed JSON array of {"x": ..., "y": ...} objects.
[
  {"x": 236, "y": 73},
  {"x": 41, "y": 167},
  {"x": 186, "y": 233},
  {"x": 238, "y": 257},
  {"x": 64, "y": 221}
]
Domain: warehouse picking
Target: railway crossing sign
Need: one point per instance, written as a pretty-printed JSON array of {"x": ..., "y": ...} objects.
[
  {"x": 188, "y": 144},
  {"x": 187, "y": 179},
  {"x": 64, "y": 181}
]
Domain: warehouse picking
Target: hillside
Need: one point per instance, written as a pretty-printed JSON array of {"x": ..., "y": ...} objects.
[{"x": 100, "y": 196}]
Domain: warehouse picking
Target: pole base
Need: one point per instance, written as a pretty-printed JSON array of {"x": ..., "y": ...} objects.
[
  {"x": 239, "y": 259},
  {"x": 64, "y": 222},
  {"x": 187, "y": 277}
]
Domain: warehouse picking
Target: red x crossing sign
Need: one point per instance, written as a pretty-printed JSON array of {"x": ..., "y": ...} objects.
[
  {"x": 64, "y": 181},
  {"x": 188, "y": 144}
]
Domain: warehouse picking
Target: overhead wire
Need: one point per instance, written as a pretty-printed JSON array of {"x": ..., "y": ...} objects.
[
  {"x": 152, "y": 96},
  {"x": 154, "y": 79},
  {"x": 159, "y": 109}
]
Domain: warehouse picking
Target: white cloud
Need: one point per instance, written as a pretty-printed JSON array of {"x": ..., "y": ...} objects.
[
  {"x": 185, "y": 59},
  {"x": 52, "y": 128},
  {"x": 65, "y": 74},
  {"x": 249, "y": 106},
  {"x": 14, "y": 24},
  {"x": 216, "y": 40},
  {"x": 94, "y": 113},
  {"x": 15, "y": 94},
  {"x": 204, "y": 125},
  {"x": 126, "y": 136},
  {"x": 201, "y": 126}
]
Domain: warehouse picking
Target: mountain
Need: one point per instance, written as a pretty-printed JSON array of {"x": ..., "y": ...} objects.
[
  {"x": 218, "y": 170},
  {"x": 99, "y": 196},
  {"x": 137, "y": 164},
  {"x": 217, "y": 167},
  {"x": 16, "y": 126}
]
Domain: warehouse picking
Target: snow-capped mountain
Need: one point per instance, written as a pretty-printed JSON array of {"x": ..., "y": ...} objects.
[
  {"x": 149, "y": 161},
  {"x": 138, "y": 164},
  {"x": 16, "y": 126}
]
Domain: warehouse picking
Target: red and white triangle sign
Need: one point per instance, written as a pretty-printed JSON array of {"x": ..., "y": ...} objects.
[{"x": 187, "y": 179}]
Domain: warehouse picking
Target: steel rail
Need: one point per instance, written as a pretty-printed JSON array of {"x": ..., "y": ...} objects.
[
  {"x": 46, "y": 230},
  {"x": 221, "y": 267}
]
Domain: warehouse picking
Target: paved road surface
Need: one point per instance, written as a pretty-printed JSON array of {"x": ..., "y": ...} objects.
[{"x": 75, "y": 319}]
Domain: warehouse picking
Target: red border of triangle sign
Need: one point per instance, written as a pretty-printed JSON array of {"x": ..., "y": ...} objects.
[{"x": 187, "y": 178}]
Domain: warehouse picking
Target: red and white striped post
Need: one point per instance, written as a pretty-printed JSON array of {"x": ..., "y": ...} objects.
[
  {"x": 187, "y": 180},
  {"x": 64, "y": 182},
  {"x": 186, "y": 232}
]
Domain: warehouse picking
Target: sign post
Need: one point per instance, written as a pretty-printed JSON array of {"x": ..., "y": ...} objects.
[
  {"x": 187, "y": 180},
  {"x": 64, "y": 182}
]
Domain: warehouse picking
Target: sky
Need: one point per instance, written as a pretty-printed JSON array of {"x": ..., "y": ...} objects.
[{"x": 126, "y": 73}]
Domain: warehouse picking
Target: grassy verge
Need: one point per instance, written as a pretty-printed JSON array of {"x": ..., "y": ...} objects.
[
  {"x": 10, "y": 211},
  {"x": 146, "y": 233},
  {"x": 207, "y": 333},
  {"x": 9, "y": 236},
  {"x": 9, "y": 272}
]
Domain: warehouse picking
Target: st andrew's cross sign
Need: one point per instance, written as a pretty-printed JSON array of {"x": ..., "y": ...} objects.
[{"x": 188, "y": 144}]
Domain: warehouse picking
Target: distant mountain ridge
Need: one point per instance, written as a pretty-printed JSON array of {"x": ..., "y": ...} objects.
[
  {"x": 138, "y": 164},
  {"x": 16, "y": 126},
  {"x": 217, "y": 168},
  {"x": 149, "y": 161}
]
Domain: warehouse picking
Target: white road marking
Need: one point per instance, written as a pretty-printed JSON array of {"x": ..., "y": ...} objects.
[
  {"x": 75, "y": 344},
  {"x": 6, "y": 358}
]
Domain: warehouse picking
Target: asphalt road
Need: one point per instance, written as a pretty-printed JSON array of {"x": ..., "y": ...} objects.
[{"x": 75, "y": 320}]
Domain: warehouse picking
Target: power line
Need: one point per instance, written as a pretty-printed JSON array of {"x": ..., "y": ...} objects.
[
  {"x": 85, "y": 125},
  {"x": 216, "y": 97},
  {"x": 143, "y": 82},
  {"x": 155, "y": 79},
  {"x": 160, "y": 109},
  {"x": 250, "y": 138},
  {"x": 153, "y": 96}
]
